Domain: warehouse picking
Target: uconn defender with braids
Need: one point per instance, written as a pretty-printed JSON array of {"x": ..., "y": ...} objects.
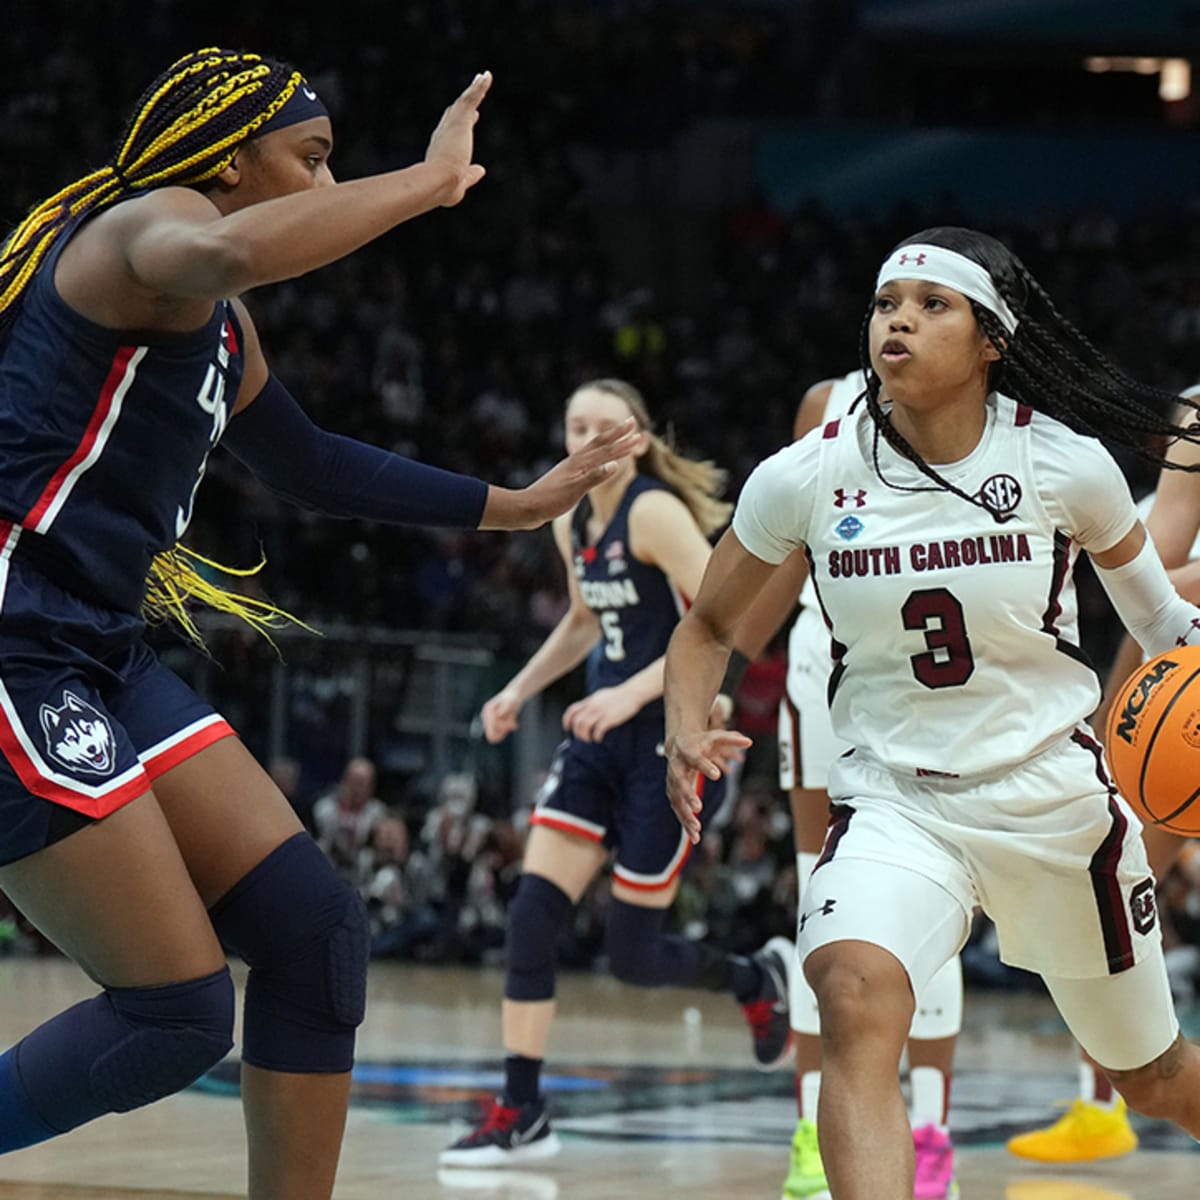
[
  {"x": 958, "y": 681},
  {"x": 135, "y": 830},
  {"x": 634, "y": 548}
]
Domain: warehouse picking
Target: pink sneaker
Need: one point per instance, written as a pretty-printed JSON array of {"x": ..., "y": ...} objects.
[{"x": 935, "y": 1165}]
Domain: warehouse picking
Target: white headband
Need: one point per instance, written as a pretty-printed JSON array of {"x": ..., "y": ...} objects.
[{"x": 936, "y": 264}]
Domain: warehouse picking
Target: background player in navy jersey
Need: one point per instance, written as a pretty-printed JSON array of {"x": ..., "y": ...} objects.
[
  {"x": 135, "y": 831},
  {"x": 635, "y": 549},
  {"x": 974, "y": 778},
  {"x": 1096, "y": 1124}
]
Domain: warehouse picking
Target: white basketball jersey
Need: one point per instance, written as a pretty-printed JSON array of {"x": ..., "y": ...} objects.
[{"x": 955, "y": 640}]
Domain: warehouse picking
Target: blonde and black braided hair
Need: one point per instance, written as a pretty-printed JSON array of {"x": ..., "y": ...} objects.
[{"x": 185, "y": 130}]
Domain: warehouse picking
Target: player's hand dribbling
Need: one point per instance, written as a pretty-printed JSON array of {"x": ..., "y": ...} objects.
[
  {"x": 692, "y": 755},
  {"x": 453, "y": 141},
  {"x": 499, "y": 715}
]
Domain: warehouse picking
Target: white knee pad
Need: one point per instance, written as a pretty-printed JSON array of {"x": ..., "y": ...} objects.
[{"x": 940, "y": 1005}]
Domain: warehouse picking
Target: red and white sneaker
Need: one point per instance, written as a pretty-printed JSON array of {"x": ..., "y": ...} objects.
[{"x": 508, "y": 1134}]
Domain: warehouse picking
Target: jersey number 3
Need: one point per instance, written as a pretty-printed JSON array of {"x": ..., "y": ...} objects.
[{"x": 937, "y": 613}]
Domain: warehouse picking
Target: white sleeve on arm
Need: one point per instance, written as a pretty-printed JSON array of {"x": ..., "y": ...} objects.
[
  {"x": 1148, "y": 604},
  {"x": 775, "y": 505}
]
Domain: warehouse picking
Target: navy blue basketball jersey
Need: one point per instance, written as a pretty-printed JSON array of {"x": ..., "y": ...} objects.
[
  {"x": 636, "y": 604},
  {"x": 104, "y": 438}
]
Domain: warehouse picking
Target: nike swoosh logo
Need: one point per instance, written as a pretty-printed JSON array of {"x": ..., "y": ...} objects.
[
  {"x": 519, "y": 1139},
  {"x": 310, "y": 93}
]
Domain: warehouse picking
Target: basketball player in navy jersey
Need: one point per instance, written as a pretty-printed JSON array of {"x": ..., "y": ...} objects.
[
  {"x": 634, "y": 550},
  {"x": 136, "y": 831},
  {"x": 959, "y": 684}
]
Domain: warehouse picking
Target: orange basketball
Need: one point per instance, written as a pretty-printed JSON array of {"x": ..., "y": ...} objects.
[{"x": 1153, "y": 741}]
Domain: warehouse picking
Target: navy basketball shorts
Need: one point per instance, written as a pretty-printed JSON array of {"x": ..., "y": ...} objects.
[
  {"x": 614, "y": 792},
  {"x": 88, "y": 715}
]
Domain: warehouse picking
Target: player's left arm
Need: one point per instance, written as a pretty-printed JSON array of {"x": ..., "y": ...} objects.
[
  {"x": 342, "y": 477},
  {"x": 1137, "y": 583}
]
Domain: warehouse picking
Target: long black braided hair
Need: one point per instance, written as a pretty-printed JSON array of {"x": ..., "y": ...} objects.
[{"x": 1047, "y": 364}]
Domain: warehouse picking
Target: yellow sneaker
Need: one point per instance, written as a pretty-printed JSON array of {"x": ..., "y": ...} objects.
[
  {"x": 1085, "y": 1132},
  {"x": 806, "y": 1175}
]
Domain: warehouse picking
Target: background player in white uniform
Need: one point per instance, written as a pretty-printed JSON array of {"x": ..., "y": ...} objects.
[
  {"x": 958, "y": 679},
  {"x": 1096, "y": 1124},
  {"x": 807, "y": 750}
]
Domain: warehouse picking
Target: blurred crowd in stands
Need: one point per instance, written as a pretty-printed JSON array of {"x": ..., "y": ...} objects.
[{"x": 456, "y": 340}]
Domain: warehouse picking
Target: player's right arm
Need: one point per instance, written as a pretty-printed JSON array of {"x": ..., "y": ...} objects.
[
  {"x": 697, "y": 655},
  {"x": 770, "y": 522},
  {"x": 567, "y": 645}
]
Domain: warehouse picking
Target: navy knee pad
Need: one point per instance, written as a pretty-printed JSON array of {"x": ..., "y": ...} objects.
[
  {"x": 120, "y": 1050},
  {"x": 303, "y": 933},
  {"x": 536, "y": 916}
]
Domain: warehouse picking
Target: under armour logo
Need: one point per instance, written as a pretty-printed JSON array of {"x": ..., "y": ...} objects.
[
  {"x": 841, "y": 499},
  {"x": 905, "y": 259},
  {"x": 1183, "y": 641},
  {"x": 823, "y": 911}
]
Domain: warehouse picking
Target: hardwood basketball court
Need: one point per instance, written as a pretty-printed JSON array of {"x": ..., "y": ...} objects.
[{"x": 652, "y": 1097}]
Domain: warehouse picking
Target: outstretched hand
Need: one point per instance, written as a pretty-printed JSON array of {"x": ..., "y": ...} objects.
[
  {"x": 566, "y": 483},
  {"x": 453, "y": 141},
  {"x": 691, "y": 757}
]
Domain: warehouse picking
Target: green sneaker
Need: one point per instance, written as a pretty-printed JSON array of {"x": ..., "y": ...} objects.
[{"x": 806, "y": 1175}]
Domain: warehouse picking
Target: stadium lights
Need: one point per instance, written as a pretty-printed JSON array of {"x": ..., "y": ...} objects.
[{"x": 1174, "y": 74}]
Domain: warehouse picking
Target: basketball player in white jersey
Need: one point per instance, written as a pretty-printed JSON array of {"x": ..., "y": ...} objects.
[
  {"x": 807, "y": 749},
  {"x": 958, "y": 681},
  {"x": 1096, "y": 1124}
]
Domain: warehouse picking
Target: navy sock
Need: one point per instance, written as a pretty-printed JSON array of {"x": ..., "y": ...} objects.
[{"x": 521, "y": 1078}]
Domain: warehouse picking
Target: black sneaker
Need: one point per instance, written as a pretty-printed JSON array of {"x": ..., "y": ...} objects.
[
  {"x": 509, "y": 1133},
  {"x": 768, "y": 1014}
]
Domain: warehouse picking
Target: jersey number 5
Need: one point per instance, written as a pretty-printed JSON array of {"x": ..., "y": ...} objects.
[
  {"x": 614, "y": 638},
  {"x": 937, "y": 613}
]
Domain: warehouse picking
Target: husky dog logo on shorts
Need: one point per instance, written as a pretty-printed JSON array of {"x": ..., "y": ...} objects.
[{"x": 78, "y": 735}]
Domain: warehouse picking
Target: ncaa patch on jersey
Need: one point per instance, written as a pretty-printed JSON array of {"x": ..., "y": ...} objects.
[{"x": 849, "y": 528}]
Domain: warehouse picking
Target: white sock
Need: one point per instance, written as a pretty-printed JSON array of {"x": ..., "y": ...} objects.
[
  {"x": 927, "y": 1086},
  {"x": 810, "y": 1094}
]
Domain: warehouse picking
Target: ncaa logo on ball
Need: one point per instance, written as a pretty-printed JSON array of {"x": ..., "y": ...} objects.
[{"x": 1126, "y": 728}]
